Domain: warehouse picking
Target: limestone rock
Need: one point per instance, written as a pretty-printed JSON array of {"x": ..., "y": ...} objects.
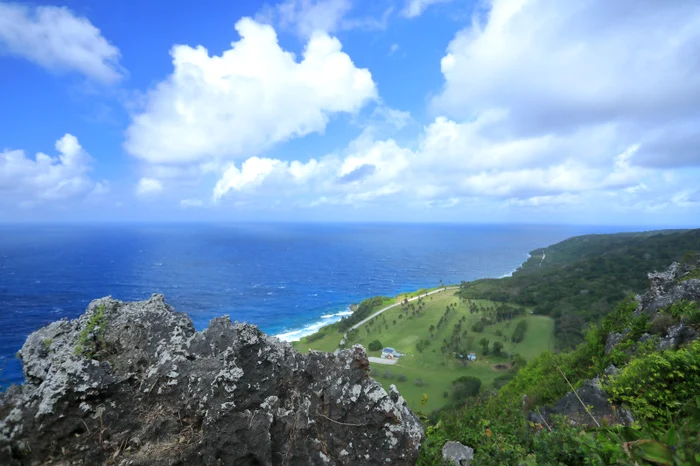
[
  {"x": 665, "y": 289},
  {"x": 614, "y": 339},
  {"x": 456, "y": 454},
  {"x": 134, "y": 383},
  {"x": 677, "y": 336},
  {"x": 595, "y": 398}
]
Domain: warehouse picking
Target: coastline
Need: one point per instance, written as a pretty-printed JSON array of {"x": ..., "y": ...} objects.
[{"x": 293, "y": 335}]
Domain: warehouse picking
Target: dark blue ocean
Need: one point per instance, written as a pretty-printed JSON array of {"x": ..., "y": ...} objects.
[{"x": 289, "y": 279}]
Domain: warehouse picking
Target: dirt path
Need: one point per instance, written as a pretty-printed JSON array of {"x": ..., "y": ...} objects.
[{"x": 399, "y": 303}]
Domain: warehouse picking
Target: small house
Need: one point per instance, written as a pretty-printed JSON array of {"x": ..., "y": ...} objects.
[
  {"x": 471, "y": 356},
  {"x": 390, "y": 353}
]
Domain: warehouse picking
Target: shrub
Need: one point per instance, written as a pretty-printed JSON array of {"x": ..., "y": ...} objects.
[
  {"x": 662, "y": 323},
  {"x": 419, "y": 382},
  {"x": 497, "y": 347},
  {"x": 478, "y": 327},
  {"x": 375, "y": 345},
  {"x": 519, "y": 332},
  {"x": 388, "y": 375},
  {"x": 657, "y": 385},
  {"x": 373, "y": 372},
  {"x": 688, "y": 310},
  {"x": 484, "y": 342},
  {"x": 401, "y": 378},
  {"x": 313, "y": 337},
  {"x": 465, "y": 386},
  {"x": 499, "y": 333},
  {"x": 91, "y": 338},
  {"x": 501, "y": 380}
]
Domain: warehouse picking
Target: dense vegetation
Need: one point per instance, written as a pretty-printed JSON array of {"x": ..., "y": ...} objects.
[
  {"x": 660, "y": 388},
  {"x": 363, "y": 311},
  {"x": 580, "y": 280}
]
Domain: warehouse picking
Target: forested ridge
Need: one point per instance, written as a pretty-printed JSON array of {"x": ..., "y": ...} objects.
[
  {"x": 627, "y": 394},
  {"x": 581, "y": 279}
]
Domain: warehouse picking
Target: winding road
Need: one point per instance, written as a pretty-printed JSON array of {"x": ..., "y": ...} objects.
[{"x": 399, "y": 303}]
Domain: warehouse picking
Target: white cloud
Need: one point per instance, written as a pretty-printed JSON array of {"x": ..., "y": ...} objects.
[
  {"x": 57, "y": 39},
  {"x": 309, "y": 16},
  {"x": 46, "y": 178},
  {"x": 556, "y": 65},
  {"x": 305, "y": 17},
  {"x": 251, "y": 97},
  {"x": 149, "y": 187},
  {"x": 416, "y": 8},
  {"x": 393, "y": 49}
]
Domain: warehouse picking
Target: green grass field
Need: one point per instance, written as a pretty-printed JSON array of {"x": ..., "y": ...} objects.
[{"x": 433, "y": 370}]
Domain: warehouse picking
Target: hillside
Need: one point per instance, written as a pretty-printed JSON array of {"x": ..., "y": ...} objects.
[
  {"x": 581, "y": 279},
  {"x": 435, "y": 333},
  {"x": 635, "y": 402}
]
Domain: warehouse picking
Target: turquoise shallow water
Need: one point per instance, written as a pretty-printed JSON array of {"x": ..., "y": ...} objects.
[{"x": 287, "y": 278}]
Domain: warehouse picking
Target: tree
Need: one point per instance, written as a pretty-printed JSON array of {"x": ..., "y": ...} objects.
[
  {"x": 484, "y": 342},
  {"x": 376, "y": 345},
  {"x": 465, "y": 386},
  {"x": 497, "y": 347}
]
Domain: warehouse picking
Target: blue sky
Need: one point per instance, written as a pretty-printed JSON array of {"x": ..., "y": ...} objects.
[{"x": 398, "y": 110}]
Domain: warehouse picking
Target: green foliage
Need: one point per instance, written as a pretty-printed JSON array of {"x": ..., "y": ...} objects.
[
  {"x": 91, "y": 338},
  {"x": 47, "y": 344},
  {"x": 519, "y": 332},
  {"x": 422, "y": 344},
  {"x": 657, "y": 385},
  {"x": 484, "y": 342},
  {"x": 364, "y": 310},
  {"x": 694, "y": 274},
  {"x": 662, "y": 323},
  {"x": 569, "y": 445},
  {"x": 375, "y": 345},
  {"x": 495, "y": 427},
  {"x": 581, "y": 279},
  {"x": 313, "y": 337},
  {"x": 497, "y": 347},
  {"x": 465, "y": 387},
  {"x": 478, "y": 326},
  {"x": 689, "y": 310}
]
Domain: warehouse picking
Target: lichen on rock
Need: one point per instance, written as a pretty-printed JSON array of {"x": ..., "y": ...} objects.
[{"x": 134, "y": 383}]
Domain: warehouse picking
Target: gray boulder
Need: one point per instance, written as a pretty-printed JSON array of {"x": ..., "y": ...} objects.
[
  {"x": 134, "y": 383},
  {"x": 597, "y": 404},
  {"x": 665, "y": 288},
  {"x": 677, "y": 336},
  {"x": 456, "y": 454},
  {"x": 614, "y": 339}
]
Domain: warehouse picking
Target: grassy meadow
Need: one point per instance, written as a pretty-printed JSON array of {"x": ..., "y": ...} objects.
[{"x": 432, "y": 370}]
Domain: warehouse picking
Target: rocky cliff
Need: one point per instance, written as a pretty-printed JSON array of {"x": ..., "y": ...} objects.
[
  {"x": 677, "y": 284},
  {"x": 134, "y": 383}
]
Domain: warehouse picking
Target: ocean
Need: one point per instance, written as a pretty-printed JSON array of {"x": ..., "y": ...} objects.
[{"x": 289, "y": 279}]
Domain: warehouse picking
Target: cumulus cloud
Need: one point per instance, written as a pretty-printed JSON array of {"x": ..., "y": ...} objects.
[
  {"x": 45, "y": 178},
  {"x": 148, "y": 187},
  {"x": 546, "y": 104},
  {"x": 565, "y": 63},
  {"x": 57, "y": 39},
  {"x": 416, "y": 8},
  {"x": 251, "y": 97}
]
